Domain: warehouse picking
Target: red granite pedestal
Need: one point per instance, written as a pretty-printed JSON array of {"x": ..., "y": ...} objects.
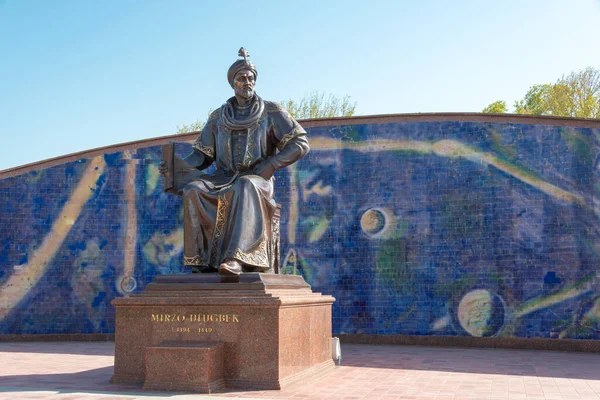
[{"x": 204, "y": 333}]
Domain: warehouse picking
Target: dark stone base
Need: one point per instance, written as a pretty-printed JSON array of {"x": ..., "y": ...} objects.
[
  {"x": 60, "y": 337},
  {"x": 573, "y": 345},
  {"x": 203, "y": 332}
]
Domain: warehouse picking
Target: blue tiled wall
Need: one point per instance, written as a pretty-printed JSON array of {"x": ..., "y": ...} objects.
[{"x": 420, "y": 228}]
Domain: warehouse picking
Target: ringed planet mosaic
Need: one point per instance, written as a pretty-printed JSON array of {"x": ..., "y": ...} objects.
[{"x": 447, "y": 227}]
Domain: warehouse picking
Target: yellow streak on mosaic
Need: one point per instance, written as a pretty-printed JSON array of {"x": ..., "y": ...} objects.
[
  {"x": 540, "y": 303},
  {"x": 131, "y": 231},
  {"x": 27, "y": 276},
  {"x": 448, "y": 148}
]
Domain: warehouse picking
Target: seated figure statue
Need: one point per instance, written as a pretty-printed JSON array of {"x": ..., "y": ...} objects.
[{"x": 227, "y": 213}]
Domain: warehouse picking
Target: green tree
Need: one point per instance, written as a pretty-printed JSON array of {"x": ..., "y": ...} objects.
[
  {"x": 574, "y": 95},
  {"x": 320, "y": 105},
  {"x": 534, "y": 101},
  {"x": 497, "y": 107},
  {"x": 193, "y": 127}
]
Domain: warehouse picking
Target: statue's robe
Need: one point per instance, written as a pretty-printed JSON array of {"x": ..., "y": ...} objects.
[{"x": 227, "y": 214}]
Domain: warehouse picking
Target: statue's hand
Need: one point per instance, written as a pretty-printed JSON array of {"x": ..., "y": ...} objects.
[
  {"x": 162, "y": 167},
  {"x": 265, "y": 170}
]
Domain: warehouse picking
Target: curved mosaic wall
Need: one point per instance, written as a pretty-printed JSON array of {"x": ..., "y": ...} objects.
[{"x": 419, "y": 225}]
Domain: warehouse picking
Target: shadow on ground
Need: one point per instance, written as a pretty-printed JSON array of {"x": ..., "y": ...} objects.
[
  {"x": 539, "y": 363},
  {"x": 83, "y": 348},
  {"x": 93, "y": 379}
]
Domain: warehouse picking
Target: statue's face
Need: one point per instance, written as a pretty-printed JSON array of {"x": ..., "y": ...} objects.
[{"x": 243, "y": 84}]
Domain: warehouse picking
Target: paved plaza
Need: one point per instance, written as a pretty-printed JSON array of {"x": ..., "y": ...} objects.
[{"x": 76, "y": 370}]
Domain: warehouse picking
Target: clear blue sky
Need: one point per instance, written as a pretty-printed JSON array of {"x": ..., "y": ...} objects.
[{"x": 79, "y": 74}]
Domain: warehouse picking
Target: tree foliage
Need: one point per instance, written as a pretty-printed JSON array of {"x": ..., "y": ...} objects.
[
  {"x": 574, "y": 95},
  {"x": 193, "y": 127},
  {"x": 320, "y": 105},
  {"x": 534, "y": 100},
  {"x": 497, "y": 107}
]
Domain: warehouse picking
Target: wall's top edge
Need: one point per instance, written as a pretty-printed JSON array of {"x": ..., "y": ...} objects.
[
  {"x": 310, "y": 123},
  {"x": 460, "y": 117}
]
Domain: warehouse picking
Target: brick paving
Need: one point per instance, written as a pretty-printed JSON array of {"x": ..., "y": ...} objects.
[{"x": 76, "y": 370}]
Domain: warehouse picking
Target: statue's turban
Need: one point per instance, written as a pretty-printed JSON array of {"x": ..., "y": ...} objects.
[{"x": 240, "y": 65}]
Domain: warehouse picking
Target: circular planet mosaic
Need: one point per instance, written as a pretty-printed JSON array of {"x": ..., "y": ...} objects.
[
  {"x": 128, "y": 284},
  {"x": 481, "y": 313},
  {"x": 372, "y": 222}
]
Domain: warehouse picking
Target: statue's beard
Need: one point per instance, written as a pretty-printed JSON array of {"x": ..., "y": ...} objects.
[{"x": 245, "y": 92}]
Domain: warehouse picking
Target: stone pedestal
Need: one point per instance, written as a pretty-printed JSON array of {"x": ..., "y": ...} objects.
[{"x": 203, "y": 332}]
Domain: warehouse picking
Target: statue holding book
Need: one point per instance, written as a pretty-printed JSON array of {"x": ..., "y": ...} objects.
[{"x": 228, "y": 214}]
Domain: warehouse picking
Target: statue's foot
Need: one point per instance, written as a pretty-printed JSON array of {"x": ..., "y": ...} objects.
[{"x": 230, "y": 267}]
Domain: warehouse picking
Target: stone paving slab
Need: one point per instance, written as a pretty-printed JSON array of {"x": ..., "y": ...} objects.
[{"x": 77, "y": 370}]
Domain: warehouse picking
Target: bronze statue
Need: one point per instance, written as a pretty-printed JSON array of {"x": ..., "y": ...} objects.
[{"x": 227, "y": 214}]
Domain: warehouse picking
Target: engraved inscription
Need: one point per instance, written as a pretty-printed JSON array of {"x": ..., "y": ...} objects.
[
  {"x": 226, "y": 318},
  {"x": 167, "y": 317},
  {"x": 188, "y": 323},
  {"x": 202, "y": 318}
]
